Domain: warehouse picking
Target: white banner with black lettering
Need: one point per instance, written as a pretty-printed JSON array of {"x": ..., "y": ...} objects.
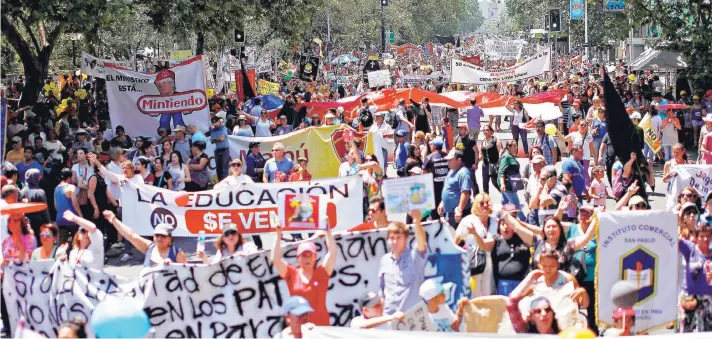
[
  {"x": 467, "y": 73},
  {"x": 698, "y": 177},
  {"x": 143, "y": 102},
  {"x": 248, "y": 206},
  {"x": 641, "y": 247},
  {"x": 503, "y": 49},
  {"x": 94, "y": 66},
  {"x": 240, "y": 297}
]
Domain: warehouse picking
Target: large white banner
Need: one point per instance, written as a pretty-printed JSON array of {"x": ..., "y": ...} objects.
[
  {"x": 697, "y": 176},
  {"x": 143, "y": 102},
  {"x": 249, "y": 207},
  {"x": 94, "y": 66},
  {"x": 503, "y": 49},
  {"x": 467, "y": 73},
  {"x": 240, "y": 297},
  {"x": 642, "y": 247}
]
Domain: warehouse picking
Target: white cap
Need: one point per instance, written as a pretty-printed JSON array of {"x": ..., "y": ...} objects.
[
  {"x": 707, "y": 118},
  {"x": 373, "y": 109},
  {"x": 431, "y": 288},
  {"x": 221, "y": 115}
]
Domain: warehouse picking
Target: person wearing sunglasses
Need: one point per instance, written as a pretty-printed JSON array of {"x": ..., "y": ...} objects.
[
  {"x": 277, "y": 168},
  {"x": 229, "y": 243},
  {"x": 48, "y": 239},
  {"x": 236, "y": 177},
  {"x": 159, "y": 251},
  {"x": 87, "y": 244},
  {"x": 263, "y": 125},
  {"x": 696, "y": 297}
]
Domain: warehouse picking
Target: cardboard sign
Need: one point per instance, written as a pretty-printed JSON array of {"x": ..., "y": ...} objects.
[
  {"x": 300, "y": 212},
  {"x": 403, "y": 195},
  {"x": 416, "y": 319},
  {"x": 379, "y": 78}
]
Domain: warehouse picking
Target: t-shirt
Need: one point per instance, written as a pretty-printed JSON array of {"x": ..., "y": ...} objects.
[
  {"x": 474, "y": 114},
  {"x": 347, "y": 170},
  {"x": 278, "y": 168},
  {"x": 510, "y": 258},
  {"x": 22, "y": 169},
  {"x": 400, "y": 279},
  {"x": 697, "y": 268},
  {"x": 358, "y": 322},
  {"x": 216, "y": 133},
  {"x": 313, "y": 291},
  {"x": 455, "y": 183},
  {"x": 578, "y": 139},
  {"x": 575, "y": 169},
  {"x": 83, "y": 172},
  {"x": 162, "y": 180},
  {"x": 610, "y": 152},
  {"x": 443, "y": 319},
  {"x": 401, "y": 155},
  {"x": 436, "y": 164},
  {"x": 92, "y": 256}
]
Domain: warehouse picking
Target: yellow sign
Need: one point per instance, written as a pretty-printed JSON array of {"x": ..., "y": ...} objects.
[
  {"x": 181, "y": 54},
  {"x": 265, "y": 87},
  {"x": 651, "y": 137}
]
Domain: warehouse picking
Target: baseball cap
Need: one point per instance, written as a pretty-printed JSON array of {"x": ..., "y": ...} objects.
[
  {"x": 454, "y": 154},
  {"x": 401, "y": 133},
  {"x": 17, "y": 139},
  {"x": 431, "y": 288},
  {"x": 538, "y": 159},
  {"x": 241, "y": 117},
  {"x": 163, "y": 229},
  {"x": 329, "y": 116},
  {"x": 416, "y": 170},
  {"x": 229, "y": 227},
  {"x": 297, "y": 305},
  {"x": 635, "y": 115},
  {"x": 378, "y": 114},
  {"x": 636, "y": 199},
  {"x": 687, "y": 205},
  {"x": 369, "y": 299},
  {"x": 307, "y": 246},
  {"x": 707, "y": 118},
  {"x": 539, "y": 302},
  {"x": 438, "y": 143},
  {"x": 221, "y": 114},
  {"x": 282, "y": 117}
]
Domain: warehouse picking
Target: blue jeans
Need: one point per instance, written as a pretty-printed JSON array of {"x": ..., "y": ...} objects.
[
  {"x": 668, "y": 152},
  {"x": 648, "y": 153},
  {"x": 165, "y": 121},
  {"x": 512, "y": 198},
  {"x": 505, "y": 287},
  {"x": 520, "y": 132}
]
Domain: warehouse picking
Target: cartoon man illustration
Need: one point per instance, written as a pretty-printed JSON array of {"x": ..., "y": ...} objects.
[{"x": 166, "y": 84}]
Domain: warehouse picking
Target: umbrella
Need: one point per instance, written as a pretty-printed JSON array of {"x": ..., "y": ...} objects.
[
  {"x": 344, "y": 59},
  {"x": 269, "y": 102}
]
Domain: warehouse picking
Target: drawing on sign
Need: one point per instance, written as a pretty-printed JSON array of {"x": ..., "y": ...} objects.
[{"x": 639, "y": 266}]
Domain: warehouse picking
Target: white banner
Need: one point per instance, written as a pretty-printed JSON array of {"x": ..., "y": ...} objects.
[
  {"x": 239, "y": 297},
  {"x": 379, "y": 78},
  {"x": 697, "y": 176},
  {"x": 94, "y": 66},
  {"x": 642, "y": 247},
  {"x": 249, "y": 207},
  {"x": 467, "y": 73},
  {"x": 503, "y": 49},
  {"x": 144, "y": 102}
]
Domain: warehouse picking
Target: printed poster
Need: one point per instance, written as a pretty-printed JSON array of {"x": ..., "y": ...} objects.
[
  {"x": 301, "y": 212},
  {"x": 403, "y": 195}
]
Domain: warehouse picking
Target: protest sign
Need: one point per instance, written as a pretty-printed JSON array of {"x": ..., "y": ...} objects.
[
  {"x": 94, "y": 66},
  {"x": 301, "y": 212},
  {"x": 379, "y": 78},
  {"x": 503, "y": 49},
  {"x": 638, "y": 246},
  {"x": 698, "y": 177},
  {"x": 466, "y": 73},
  {"x": 415, "y": 319},
  {"x": 237, "y": 297},
  {"x": 143, "y": 102},
  {"x": 265, "y": 87},
  {"x": 651, "y": 136},
  {"x": 249, "y": 206},
  {"x": 403, "y": 195}
]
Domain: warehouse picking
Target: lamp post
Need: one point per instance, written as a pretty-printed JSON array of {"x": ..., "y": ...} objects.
[{"x": 384, "y": 3}]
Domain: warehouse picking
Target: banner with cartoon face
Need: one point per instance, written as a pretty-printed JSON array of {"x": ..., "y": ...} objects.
[{"x": 144, "y": 102}]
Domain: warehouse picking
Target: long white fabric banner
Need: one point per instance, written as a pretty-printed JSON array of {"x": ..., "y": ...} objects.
[
  {"x": 94, "y": 66},
  {"x": 503, "y": 49},
  {"x": 143, "y": 102},
  {"x": 642, "y": 247},
  {"x": 698, "y": 177},
  {"x": 467, "y": 73},
  {"x": 239, "y": 297},
  {"x": 249, "y": 206}
]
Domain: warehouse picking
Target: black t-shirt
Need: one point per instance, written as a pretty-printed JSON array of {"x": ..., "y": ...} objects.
[
  {"x": 610, "y": 153},
  {"x": 436, "y": 164},
  {"x": 510, "y": 258},
  {"x": 41, "y": 154},
  {"x": 466, "y": 146},
  {"x": 162, "y": 180},
  {"x": 366, "y": 118}
]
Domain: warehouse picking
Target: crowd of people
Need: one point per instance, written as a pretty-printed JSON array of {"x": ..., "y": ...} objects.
[{"x": 540, "y": 234}]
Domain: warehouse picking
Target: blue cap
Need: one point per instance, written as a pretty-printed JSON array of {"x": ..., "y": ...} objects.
[
  {"x": 401, "y": 133},
  {"x": 438, "y": 143},
  {"x": 297, "y": 305}
]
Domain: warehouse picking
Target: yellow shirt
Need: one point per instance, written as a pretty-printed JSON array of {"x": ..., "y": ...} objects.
[{"x": 15, "y": 157}]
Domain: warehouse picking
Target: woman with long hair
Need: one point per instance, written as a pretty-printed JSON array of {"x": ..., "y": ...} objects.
[
  {"x": 491, "y": 148},
  {"x": 162, "y": 177},
  {"x": 198, "y": 166},
  {"x": 519, "y": 117},
  {"x": 166, "y": 150},
  {"x": 242, "y": 129},
  {"x": 696, "y": 297},
  {"x": 179, "y": 171},
  {"x": 87, "y": 244},
  {"x": 480, "y": 222},
  {"x": 508, "y": 175},
  {"x": 229, "y": 243}
]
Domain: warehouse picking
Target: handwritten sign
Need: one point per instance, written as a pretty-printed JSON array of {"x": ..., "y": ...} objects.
[
  {"x": 416, "y": 319},
  {"x": 698, "y": 177}
]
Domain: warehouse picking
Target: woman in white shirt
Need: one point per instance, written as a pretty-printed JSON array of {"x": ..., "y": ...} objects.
[
  {"x": 236, "y": 177},
  {"x": 53, "y": 145},
  {"x": 179, "y": 171},
  {"x": 519, "y": 117},
  {"x": 228, "y": 244},
  {"x": 242, "y": 130},
  {"x": 264, "y": 125},
  {"x": 88, "y": 243}
]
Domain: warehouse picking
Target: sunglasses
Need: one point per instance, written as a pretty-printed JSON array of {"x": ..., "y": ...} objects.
[
  {"x": 372, "y": 210},
  {"x": 482, "y": 203},
  {"x": 688, "y": 195},
  {"x": 230, "y": 233},
  {"x": 46, "y": 235},
  {"x": 544, "y": 309},
  {"x": 264, "y": 113},
  {"x": 236, "y": 165}
]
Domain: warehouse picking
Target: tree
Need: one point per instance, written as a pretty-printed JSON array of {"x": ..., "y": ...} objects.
[
  {"x": 33, "y": 27},
  {"x": 685, "y": 26}
]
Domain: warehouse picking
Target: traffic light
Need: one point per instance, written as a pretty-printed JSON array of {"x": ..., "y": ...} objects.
[
  {"x": 547, "y": 17},
  {"x": 239, "y": 36},
  {"x": 555, "y": 20},
  {"x": 384, "y": 3}
]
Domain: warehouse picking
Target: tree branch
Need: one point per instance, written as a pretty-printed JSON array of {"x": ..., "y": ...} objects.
[
  {"x": 18, "y": 42},
  {"x": 28, "y": 28}
]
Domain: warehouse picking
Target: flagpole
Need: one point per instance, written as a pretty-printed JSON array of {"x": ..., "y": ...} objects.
[
  {"x": 383, "y": 31},
  {"x": 585, "y": 19}
]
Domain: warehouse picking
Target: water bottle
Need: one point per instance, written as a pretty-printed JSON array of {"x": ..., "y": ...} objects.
[{"x": 201, "y": 242}]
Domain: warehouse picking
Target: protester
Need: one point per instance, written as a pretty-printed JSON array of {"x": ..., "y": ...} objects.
[
  {"x": 310, "y": 279},
  {"x": 695, "y": 299},
  {"x": 255, "y": 163},
  {"x": 65, "y": 199},
  {"x": 434, "y": 295},
  {"x": 162, "y": 178},
  {"x": 376, "y": 215},
  {"x": 491, "y": 148},
  {"x": 20, "y": 242},
  {"x": 372, "y": 313},
  {"x": 278, "y": 167},
  {"x": 179, "y": 171},
  {"x": 236, "y": 178},
  {"x": 33, "y": 193},
  {"x": 572, "y": 169},
  {"x": 519, "y": 117},
  {"x": 218, "y": 137},
  {"x": 263, "y": 125},
  {"x": 87, "y": 245},
  {"x": 547, "y": 144},
  {"x": 401, "y": 152},
  {"x": 229, "y": 243},
  {"x": 297, "y": 314},
  {"x": 242, "y": 129},
  {"x": 509, "y": 178},
  {"x": 457, "y": 190},
  {"x": 541, "y": 318},
  {"x": 198, "y": 168},
  {"x": 72, "y": 329},
  {"x": 157, "y": 252}
]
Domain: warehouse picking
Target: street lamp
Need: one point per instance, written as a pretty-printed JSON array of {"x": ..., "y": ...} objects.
[{"x": 384, "y": 3}]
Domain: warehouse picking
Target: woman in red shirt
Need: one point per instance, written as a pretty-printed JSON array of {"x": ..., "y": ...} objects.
[{"x": 308, "y": 280}]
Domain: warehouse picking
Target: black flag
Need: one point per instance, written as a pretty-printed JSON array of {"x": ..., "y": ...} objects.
[
  {"x": 308, "y": 67},
  {"x": 444, "y": 40},
  {"x": 624, "y": 134}
]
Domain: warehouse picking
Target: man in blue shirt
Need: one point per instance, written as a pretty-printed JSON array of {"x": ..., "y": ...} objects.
[
  {"x": 27, "y": 163},
  {"x": 401, "y": 152},
  {"x": 474, "y": 115},
  {"x": 218, "y": 136},
  {"x": 278, "y": 167},
  {"x": 572, "y": 169},
  {"x": 456, "y": 190}
]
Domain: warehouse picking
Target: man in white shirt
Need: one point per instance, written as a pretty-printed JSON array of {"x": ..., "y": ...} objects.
[
  {"x": 381, "y": 126},
  {"x": 372, "y": 313}
]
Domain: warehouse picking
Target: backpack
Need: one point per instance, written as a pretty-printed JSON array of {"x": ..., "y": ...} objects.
[{"x": 395, "y": 121}]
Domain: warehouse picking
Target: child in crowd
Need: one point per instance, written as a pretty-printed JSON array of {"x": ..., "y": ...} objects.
[
  {"x": 434, "y": 294},
  {"x": 598, "y": 190}
]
